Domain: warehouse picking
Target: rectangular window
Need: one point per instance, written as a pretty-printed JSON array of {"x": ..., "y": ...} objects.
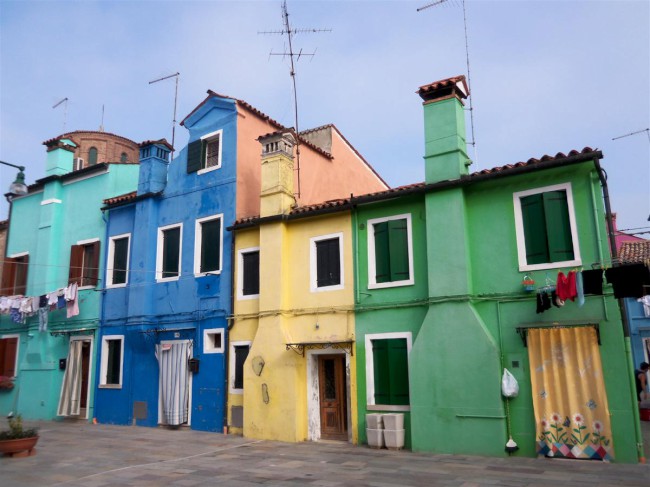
[
  {"x": 213, "y": 340},
  {"x": 238, "y": 356},
  {"x": 118, "y": 260},
  {"x": 168, "y": 257},
  {"x": 204, "y": 155},
  {"x": 14, "y": 275},
  {"x": 249, "y": 273},
  {"x": 9, "y": 356},
  {"x": 84, "y": 264},
  {"x": 207, "y": 245},
  {"x": 545, "y": 225},
  {"x": 390, "y": 252},
  {"x": 326, "y": 262},
  {"x": 112, "y": 360},
  {"x": 387, "y": 370}
]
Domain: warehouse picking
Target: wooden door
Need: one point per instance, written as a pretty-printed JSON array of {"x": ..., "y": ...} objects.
[{"x": 333, "y": 398}]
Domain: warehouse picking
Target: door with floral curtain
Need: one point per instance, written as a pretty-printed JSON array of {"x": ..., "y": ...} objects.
[{"x": 569, "y": 398}]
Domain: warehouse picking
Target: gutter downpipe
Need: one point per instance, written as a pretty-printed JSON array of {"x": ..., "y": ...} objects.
[{"x": 602, "y": 175}]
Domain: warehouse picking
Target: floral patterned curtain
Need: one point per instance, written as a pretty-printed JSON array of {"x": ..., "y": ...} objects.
[{"x": 569, "y": 397}]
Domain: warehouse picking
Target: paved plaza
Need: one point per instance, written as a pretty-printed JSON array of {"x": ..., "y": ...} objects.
[{"x": 82, "y": 454}]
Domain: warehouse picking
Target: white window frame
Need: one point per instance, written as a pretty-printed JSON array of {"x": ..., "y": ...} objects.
[
  {"x": 207, "y": 342},
  {"x": 104, "y": 363},
  {"x": 519, "y": 227},
  {"x": 313, "y": 263},
  {"x": 240, "y": 274},
  {"x": 198, "y": 234},
  {"x": 370, "y": 369},
  {"x": 159, "y": 253},
  {"x": 205, "y": 139},
  {"x": 17, "y": 336},
  {"x": 231, "y": 366},
  {"x": 111, "y": 255},
  {"x": 372, "y": 267}
]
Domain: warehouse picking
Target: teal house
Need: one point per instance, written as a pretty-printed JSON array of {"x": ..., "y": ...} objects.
[
  {"x": 51, "y": 285},
  {"x": 468, "y": 274}
]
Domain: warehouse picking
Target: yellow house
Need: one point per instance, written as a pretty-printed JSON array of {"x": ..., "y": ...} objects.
[{"x": 292, "y": 376}]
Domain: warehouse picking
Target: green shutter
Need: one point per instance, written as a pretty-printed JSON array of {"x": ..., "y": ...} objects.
[
  {"x": 328, "y": 263},
  {"x": 399, "y": 372},
  {"x": 171, "y": 252},
  {"x": 210, "y": 245},
  {"x": 558, "y": 226},
  {"x": 381, "y": 371},
  {"x": 194, "y": 152},
  {"x": 399, "y": 251},
  {"x": 382, "y": 252},
  {"x": 532, "y": 213}
]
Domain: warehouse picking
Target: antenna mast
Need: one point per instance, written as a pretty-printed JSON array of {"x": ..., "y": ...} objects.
[
  {"x": 289, "y": 32},
  {"x": 469, "y": 82},
  {"x": 176, "y": 75},
  {"x": 65, "y": 110}
]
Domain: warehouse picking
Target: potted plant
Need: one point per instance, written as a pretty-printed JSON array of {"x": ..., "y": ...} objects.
[{"x": 17, "y": 439}]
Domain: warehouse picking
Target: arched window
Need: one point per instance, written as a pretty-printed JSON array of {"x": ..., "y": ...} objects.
[
  {"x": 124, "y": 157},
  {"x": 92, "y": 156}
]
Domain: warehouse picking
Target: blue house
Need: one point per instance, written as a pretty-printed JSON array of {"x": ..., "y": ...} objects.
[{"x": 168, "y": 293}]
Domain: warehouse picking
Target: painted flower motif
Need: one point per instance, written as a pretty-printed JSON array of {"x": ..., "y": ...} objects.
[
  {"x": 578, "y": 419},
  {"x": 598, "y": 426},
  {"x": 592, "y": 404},
  {"x": 545, "y": 425},
  {"x": 543, "y": 394},
  {"x": 567, "y": 422},
  {"x": 556, "y": 418}
]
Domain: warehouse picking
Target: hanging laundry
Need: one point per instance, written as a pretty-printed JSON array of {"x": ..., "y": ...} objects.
[
  {"x": 543, "y": 302},
  {"x": 592, "y": 281},
  {"x": 580, "y": 289},
  {"x": 42, "y": 301},
  {"x": 42, "y": 318},
  {"x": 52, "y": 299},
  {"x": 72, "y": 304},
  {"x": 628, "y": 280},
  {"x": 17, "y": 316},
  {"x": 566, "y": 286},
  {"x": 4, "y": 305},
  {"x": 60, "y": 303},
  {"x": 557, "y": 301},
  {"x": 645, "y": 301}
]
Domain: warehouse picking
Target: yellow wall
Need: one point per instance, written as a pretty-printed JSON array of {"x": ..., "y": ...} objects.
[{"x": 287, "y": 311}]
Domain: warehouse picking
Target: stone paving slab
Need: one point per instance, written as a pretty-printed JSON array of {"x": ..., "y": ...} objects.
[{"x": 82, "y": 454}]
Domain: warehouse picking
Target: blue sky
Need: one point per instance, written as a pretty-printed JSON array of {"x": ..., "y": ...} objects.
[{"x": 547, "y": 76}]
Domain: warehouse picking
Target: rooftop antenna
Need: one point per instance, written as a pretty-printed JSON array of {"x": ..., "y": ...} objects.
[
  {"x": 175, "y": 75},
  {"x": 289, "y": 32},
  {"x": 101, "y": 126},
  {"x": 469, "y": 82},
  {"x": 647, "y": 132},
  {"x": 65, "y": 110}
]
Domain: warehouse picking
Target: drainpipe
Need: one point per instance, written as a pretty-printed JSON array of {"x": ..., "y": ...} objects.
[{"x": 602, "y": 175}]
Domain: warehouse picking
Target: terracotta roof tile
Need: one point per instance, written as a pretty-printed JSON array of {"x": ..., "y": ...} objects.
[
  {"x": 121, "y": 198},
  {"x": 159, "y": 141},
  {"x": 632, "y": 252},
  {"x": 426, "y": 91},
  {"x": 320, "y": 206},
  {"x": 533, "y": 161}
]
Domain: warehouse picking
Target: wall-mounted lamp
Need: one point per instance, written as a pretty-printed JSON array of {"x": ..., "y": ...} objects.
[{"x": 18, "y": 187}]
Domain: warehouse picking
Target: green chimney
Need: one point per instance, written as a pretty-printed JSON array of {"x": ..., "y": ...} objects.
[{"x": 445, "y": 151}]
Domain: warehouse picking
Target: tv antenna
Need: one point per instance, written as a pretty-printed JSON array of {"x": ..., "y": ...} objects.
[
  {"x": 469, "y": 82},
  {"x": 65, "y": 110},
  {"x": 175, "y": 75},
  {"x": 293, "y": 56},
  {"x": 647, "y": 132},
  {"x": 101, "y": 126}
]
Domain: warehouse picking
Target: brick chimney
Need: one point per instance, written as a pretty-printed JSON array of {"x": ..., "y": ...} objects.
[
  {"x": 277, "y": 173},
  {"x": 154, "y": 160},
  {"x": 445, "y": 151}
]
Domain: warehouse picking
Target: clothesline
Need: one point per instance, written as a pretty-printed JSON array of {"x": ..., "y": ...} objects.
[{"x": 21, "y": 307}]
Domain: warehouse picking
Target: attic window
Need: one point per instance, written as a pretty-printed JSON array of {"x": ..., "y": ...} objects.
[{"x": 92, "y": 156}]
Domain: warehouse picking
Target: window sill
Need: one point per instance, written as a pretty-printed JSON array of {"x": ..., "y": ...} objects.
[
  {"x": 85, "y": 288},
  {"x": 383, "y": 285},
  {"x": 247, "y": 297},
  {"x": 208, "y": 169},
  {"x": 208, "y": 273},
  {"x": 379, "y": 407},
  {"x": 167, "y": 279},
  {"x": 116, "y": 286},
  {"x": 322, "y": 289},
  {"x": 236, "y": 391},
  {"x": 110, "y": 386},
  {"x": 549, "y": 265}
]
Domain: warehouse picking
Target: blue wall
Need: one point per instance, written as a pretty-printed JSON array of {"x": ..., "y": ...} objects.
[
  {"x": 187, "y": 306},
  {"x": 639, "y": 329}
]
